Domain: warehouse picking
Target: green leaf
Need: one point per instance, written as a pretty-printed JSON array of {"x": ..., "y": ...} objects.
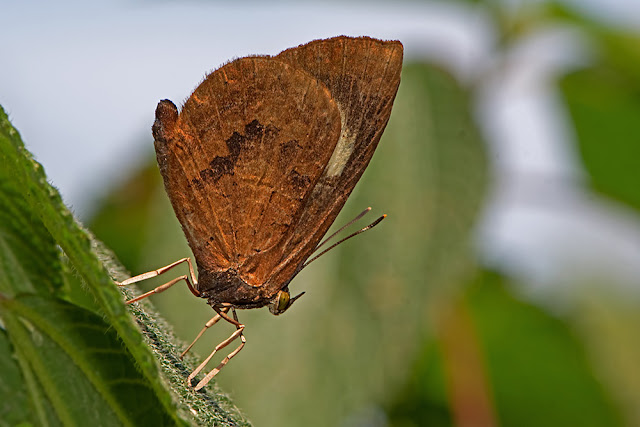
[
  {"x": 608, "y": 323},
  {"x": 14, "y": 404},
  {"x": 604, "y": 104},
  {"x": 423, "y": 400},
  {"x": 24, "y": 237},
  {"x": 538, "y": 366},
  {"x": 46, "y": 204},
  {"x": 537, "y": 369},
  {"x": 438, "y": 178},
  {"x": 80, "y": 364}
]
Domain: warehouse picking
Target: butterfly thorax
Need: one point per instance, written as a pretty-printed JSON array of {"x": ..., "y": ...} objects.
[{"x": 226, "y": 287}]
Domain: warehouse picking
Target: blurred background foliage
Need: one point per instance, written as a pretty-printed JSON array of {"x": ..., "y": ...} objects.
[
  {"x": 406, "y": 326},
  {"x": 409, "y": 324}
]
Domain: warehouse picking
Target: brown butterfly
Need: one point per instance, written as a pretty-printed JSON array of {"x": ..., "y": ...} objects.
[{"x": 259, "y": 163}]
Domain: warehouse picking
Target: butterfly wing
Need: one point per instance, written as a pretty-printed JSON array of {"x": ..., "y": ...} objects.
[
  {"x": 241, "y": 159},
  {"x": 362, "y": 75}
]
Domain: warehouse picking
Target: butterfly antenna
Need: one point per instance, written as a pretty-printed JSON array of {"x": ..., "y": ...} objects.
[
  {"x": 362, "y": 230},
  {"x": 360, "y": 215}
]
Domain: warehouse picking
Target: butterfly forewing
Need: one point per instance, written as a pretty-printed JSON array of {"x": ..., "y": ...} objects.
[{"x": 241, "y": 159}]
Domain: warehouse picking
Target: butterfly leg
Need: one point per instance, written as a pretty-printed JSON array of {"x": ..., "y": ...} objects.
[
  {"x": 237, "y": 333},
  {"x": 164, "y": 287},
  {"x": 207, "y": 325}
]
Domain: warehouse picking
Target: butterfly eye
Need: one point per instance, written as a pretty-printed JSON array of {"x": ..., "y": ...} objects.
[
  {"x": 283, "y": 300},
  {"x": 280, "y": 303}
]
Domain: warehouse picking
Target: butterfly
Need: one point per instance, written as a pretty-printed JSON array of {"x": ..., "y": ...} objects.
[{"x": 259, "y": 162}]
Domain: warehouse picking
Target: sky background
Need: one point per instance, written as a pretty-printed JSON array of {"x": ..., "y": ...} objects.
[{"x": 80, "y": 81}]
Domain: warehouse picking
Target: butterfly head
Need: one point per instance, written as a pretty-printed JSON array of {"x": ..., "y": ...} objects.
[{"x": 282, "y": 301}]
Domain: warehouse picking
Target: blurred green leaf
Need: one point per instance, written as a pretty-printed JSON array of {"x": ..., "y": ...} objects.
[
  {"x": 433, "y": 181},
  {"x": 122, "y": 217},
  {"x": 608, "y": 323},
  {"x": 604, "y": 103},
  {"x": 423, "y": 400},
  {"x": 538, "y": 366},
  {"x": 539, "y": 371}
]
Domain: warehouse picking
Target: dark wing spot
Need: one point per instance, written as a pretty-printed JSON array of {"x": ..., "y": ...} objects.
[
  {"x": 235, "y": 144},
  {"x": 224, "y": 165},
  {"x": 254, "y": 130},
  {"x": 206, "y": 175},
  {"x": 221, "y": 166}
]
